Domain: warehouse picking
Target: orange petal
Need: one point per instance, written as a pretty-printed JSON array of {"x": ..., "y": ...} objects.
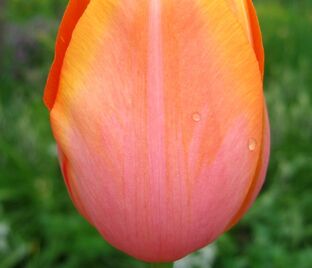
[
  {"x": 259, "y": 176},
  {"x": 72, "y": 14},
  {"x": 246, "y": 14},
  {"x": 69, "y": 179}
]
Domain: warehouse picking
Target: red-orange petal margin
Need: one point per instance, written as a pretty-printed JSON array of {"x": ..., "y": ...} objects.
[
  {"x": 256, "y": 34},
  {"x": 71, "y": 187},
  {"x": 74, "y": 11}
]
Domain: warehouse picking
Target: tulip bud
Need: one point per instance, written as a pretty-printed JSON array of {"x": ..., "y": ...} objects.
[{"x": 158, "y": 111}]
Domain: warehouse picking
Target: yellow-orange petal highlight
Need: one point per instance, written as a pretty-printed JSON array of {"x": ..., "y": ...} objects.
[
  {"x": 247, "y": 17},
  {"x": 156, "y": 104}
]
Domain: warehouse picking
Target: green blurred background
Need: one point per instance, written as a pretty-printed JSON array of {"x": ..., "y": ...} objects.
[{"x": 39, "y": 226}]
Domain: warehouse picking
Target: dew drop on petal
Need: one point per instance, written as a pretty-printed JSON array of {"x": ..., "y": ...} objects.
[
  {"x": 252, "y": 144},
  {"x": 196, "y": 117}
]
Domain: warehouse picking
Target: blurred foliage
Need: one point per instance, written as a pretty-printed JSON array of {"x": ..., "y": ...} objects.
[{"x": 39, "y": 226}]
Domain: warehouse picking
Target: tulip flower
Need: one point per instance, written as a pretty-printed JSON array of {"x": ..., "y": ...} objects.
[{"x": 158, "y": 111}]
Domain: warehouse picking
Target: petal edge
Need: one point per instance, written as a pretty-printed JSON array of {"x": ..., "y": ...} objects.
[{"x": 72, "y": 15}]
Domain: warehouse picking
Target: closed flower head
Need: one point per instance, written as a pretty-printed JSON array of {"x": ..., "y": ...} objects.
[{"x": 158, "y": 111}]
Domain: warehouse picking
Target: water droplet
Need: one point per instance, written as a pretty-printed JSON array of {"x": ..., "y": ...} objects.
[
  {"x": 252, "y": 144},
  {"x": 196, "y": 117}
]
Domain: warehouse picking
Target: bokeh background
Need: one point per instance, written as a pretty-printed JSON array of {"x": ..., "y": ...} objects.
[{"x": 39, "y": 226}]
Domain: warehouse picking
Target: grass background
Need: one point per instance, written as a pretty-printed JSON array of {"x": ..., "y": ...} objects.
[{"x": 39, "y": 226}]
